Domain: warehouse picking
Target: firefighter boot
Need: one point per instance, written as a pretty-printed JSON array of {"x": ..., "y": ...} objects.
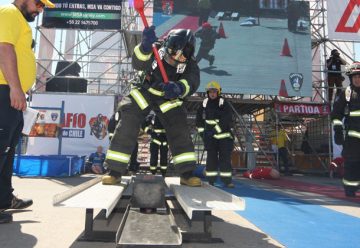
[
  {"x": 112, "y": 178},
  {"x": 190, "y": 180}
]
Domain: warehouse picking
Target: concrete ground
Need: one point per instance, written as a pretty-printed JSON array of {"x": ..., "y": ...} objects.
[{"x": 43, "y": 225}]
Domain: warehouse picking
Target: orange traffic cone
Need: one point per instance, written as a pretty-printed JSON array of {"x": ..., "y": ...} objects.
[
  {"x": 221, "y": 31},
  {"x": 285, "y": 49},
  {"x": 283, "y": 91}
]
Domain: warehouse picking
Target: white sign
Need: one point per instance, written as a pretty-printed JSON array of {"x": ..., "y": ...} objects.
[
  {"x": 343, "y": 19},
  {"x": 84, "y": 124}
]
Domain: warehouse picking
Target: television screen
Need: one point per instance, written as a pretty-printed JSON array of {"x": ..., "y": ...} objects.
[{"x": 248, "y": 46}]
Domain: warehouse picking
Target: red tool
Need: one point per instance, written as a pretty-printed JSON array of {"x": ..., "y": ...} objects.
[{"x": 139, "y": 7}]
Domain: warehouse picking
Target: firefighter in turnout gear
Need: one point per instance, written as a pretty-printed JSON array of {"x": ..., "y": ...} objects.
[
  {"x": 345, "y": 117},
  {"x": 214, "y": 122},
  {"x": 208, "y": 37},
  {"x": 165, "y": 99},
  {"x": 158, "y": 143}
]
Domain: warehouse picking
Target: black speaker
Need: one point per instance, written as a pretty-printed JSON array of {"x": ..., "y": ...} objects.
[
  {"x": 67, "y": 84},
  {"x": 67, "y": 68}
]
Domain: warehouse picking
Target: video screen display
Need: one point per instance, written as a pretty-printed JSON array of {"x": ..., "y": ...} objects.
[{"x": 248, "y": 46}]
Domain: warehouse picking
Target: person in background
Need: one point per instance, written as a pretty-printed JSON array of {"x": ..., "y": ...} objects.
[
  {"x": 158, "y": 143},
  {"x": 335, "y": 79},
  {"x": 345, "y": 118},
  {"x": 17, "y": 75},
  {"x": 214, "y": 123},
  {"x": 96, "y": 161},
  {"x": 305, "y": 145},
  {"x": 208, "y": 37},
  {"x": 278, "y": 144}
]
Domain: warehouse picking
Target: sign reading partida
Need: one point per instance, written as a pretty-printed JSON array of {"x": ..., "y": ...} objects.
[{"x": 299, "y": 108}]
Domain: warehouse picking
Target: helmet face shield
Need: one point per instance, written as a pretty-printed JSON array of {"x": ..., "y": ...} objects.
[
  {"x": 176, "y": 55},
  {"x": 179, "y": 46}
]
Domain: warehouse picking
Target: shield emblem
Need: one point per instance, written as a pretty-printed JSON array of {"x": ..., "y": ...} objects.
[
  {"x": 296, "y": 80},
  {"x": 54, "y": 116}
]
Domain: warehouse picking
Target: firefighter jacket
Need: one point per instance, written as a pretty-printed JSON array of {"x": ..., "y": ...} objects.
[
  {"x": 208, "y": 38},
  {"x": 346, "y": 113},
  {"x": 156, "y": 130},
  {"x": 214, "y": 119},
  {"x": 188, "y": 74},
  {"x": 148, "y": 94}
]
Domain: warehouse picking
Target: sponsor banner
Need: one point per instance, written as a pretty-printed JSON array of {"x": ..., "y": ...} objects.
[
  {"x": 343, "y": 19},
  {"x": 47, "y": 124},
  {"x": 303, "y": 109},
  {"x": 84, "y": 14},
  {"x": 83, "y": 128}
]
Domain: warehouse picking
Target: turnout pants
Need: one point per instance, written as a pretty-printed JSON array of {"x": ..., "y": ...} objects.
[
  {"x": 154, "y": 155},
  {"x": 351, "y": 180},
  {"x": 218, "y": 160},
  {"x": 134, "y": 164},
  {"x": 172, "y": 114}
]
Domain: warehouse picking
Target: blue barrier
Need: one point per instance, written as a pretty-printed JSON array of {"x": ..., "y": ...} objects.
[{"x": 48, "y": 166}]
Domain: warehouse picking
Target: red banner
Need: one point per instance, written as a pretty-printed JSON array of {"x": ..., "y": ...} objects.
[{"x": 300, "y": 108}]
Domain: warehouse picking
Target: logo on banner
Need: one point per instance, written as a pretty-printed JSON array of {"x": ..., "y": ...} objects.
[
  {"x": 296, "y": 80},
  {"x": 341, "y": 27},
  {"x": 98, "y": 126},
  {"x": 54, "y": 116}
]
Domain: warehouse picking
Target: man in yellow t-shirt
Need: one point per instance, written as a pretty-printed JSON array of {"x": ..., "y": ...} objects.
[
  {"x": 278, "y": 144},
  {"x": 17, "y": 75}
]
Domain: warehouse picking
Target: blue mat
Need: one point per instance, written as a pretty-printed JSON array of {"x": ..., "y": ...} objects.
[
  {"x": 295, "y": 223},
  {"x": 48, "y": 166}
]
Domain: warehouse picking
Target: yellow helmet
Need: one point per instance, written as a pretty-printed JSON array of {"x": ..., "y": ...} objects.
[{"x": 213, "y": 85}]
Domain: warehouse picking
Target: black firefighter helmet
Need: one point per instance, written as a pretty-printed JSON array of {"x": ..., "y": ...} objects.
[{"x": 179, "y": 46}]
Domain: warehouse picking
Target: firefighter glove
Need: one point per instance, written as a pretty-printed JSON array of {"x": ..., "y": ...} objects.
[
  {"x": 148, "y": 38},
  {"x": 339, "y": 135},
  {"x": 173, "y": 90}
]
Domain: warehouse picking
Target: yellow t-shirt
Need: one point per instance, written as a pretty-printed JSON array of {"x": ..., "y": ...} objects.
[
  {"x": 280, "y": 141},
  {"x": 15, "y": 30}
]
